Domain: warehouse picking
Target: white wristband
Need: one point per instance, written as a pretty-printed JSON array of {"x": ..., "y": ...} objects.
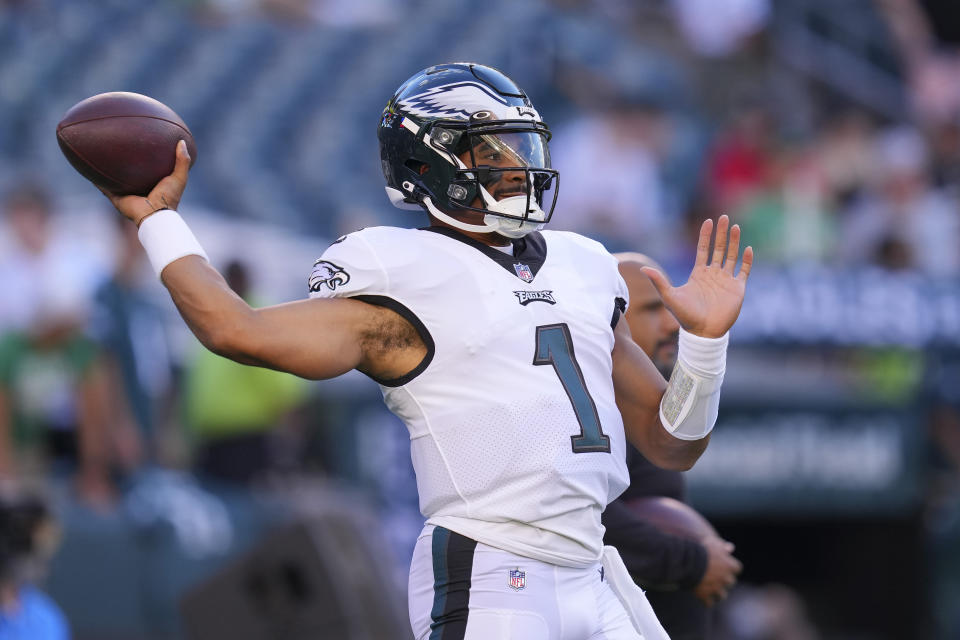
[
  {"x": 707, "y": 356},
  {"x": 166, "y": 237},
  {"x": 690, "y": 404}
]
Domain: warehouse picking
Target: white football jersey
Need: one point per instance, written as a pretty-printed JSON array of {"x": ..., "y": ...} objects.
[{"x": 515, "y": 435}]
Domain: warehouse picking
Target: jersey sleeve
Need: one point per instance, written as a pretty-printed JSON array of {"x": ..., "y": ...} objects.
[
  {"x": 349, "y": 267},
  {"x": 604, "y": 265}
]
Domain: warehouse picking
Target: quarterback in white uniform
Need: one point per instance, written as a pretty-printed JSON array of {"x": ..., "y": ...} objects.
[
  {"x": 515, "y": 385},
  {"x": 500, "y": 346}
]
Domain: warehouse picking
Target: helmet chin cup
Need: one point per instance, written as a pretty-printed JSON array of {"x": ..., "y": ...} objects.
[
  {"x": 521, "y": 220},
  {"x": 514, "y": 206}
]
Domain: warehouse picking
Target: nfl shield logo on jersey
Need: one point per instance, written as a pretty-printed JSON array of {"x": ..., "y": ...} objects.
[
  {"x": 518, "y": 579},
  {"x": 523, "y": 272}
]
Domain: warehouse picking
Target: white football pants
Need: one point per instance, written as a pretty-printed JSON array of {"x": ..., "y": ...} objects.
[{"x": 464, "y": 590}]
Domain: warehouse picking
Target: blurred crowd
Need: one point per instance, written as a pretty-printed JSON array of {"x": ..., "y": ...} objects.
[
  {"x": 696, "y": 117},
  {"x": 812, "y": 176},
  {"x": 88, "y": 377},
  {"x": 95, "y": 399}
]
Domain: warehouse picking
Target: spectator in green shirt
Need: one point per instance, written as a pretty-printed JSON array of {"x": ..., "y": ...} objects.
[
  {"x": 55, "y": 409},
  {"x": 232, "y": 409}
]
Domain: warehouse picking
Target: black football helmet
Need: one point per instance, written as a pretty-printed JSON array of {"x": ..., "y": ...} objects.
[{"x": 463, "y": 136}]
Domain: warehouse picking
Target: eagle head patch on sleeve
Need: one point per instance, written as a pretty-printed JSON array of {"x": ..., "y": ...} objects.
[{"x": 329, "y": 274}]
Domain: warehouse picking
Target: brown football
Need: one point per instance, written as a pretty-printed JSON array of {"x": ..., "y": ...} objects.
[
  {"x": 672, "y": 516},
  {"x": 123, "y": 142}
]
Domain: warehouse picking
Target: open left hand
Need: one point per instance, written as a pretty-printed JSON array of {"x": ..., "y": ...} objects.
[
  {"x": 165, "y": 195},
  {"x": 709, "y": 302}
]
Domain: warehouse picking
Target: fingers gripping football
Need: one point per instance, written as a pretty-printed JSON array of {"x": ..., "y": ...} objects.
[
  {"x": 709, "y": 302},
  {"x": 165, "y": 195}
]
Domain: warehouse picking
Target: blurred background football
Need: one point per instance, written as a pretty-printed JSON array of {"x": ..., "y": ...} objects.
[
  {"x": 123, "y": 142},
  {"x": 673, "y": 517}
]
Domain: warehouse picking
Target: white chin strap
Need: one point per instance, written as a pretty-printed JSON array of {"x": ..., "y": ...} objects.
[{"x": 514, "y": 206}]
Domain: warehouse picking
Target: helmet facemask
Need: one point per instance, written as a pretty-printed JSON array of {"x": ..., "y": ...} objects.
[{"x": 501, "y": 169}]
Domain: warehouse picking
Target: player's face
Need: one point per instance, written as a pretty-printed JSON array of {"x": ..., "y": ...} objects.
[
  {"x": 653, "y": 327},
  {"x": 506, "y": 150}
]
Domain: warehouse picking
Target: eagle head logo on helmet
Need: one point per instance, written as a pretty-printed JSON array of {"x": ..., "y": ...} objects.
[{"x": 463, "y": 137}]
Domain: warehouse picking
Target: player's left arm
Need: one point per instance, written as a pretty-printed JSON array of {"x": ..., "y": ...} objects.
[
  {"x": 670, "y": 422},
  {"x": 639, "y": 389}
]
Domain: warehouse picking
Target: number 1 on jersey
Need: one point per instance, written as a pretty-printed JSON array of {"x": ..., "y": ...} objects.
[{"x": 555, "y": 346}]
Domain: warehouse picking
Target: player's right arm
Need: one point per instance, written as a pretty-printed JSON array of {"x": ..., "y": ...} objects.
[{"x": 315, "y": 338}]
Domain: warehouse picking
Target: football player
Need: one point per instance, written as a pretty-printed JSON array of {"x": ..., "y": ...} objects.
[
  {"x": 502, "y": 348},
  {"x": 682, "y": 577}
]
